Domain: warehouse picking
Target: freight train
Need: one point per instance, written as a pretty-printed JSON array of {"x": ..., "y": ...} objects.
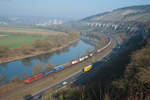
[
  {"x": 44, "y": 74},
  {"x": 60, "y": 67}
]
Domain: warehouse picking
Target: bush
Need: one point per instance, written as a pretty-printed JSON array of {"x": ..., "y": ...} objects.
[
  {"x": 15, "y": 79},
  {"x": 4, "y": 51},
  {"x": 38, "y": 68}
]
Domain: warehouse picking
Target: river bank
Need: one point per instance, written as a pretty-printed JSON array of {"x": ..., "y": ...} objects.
[
  {"x": 46, "y": 81},
  {"x": 36, "y": 53}
]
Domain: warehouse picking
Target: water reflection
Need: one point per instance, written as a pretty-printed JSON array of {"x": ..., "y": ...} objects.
[
  {"x": 44, "y": 57},
  {"x": 3, "y": 79},
  {"x": 3, "y": 65},
  {"x": 24, "y": 68},
  {"x": 27, "y": 61}
]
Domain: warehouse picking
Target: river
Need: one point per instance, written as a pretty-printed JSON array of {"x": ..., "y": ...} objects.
[{"x": 20, "y": 67}]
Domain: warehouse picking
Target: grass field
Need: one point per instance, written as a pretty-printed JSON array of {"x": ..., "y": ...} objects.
[
  {"x": 18, "y": 40},
  {"x": 15, "y": 37},
  {"x": 26, "y": 29}
]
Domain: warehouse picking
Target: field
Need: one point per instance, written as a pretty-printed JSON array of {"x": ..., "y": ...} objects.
[
  {"x": 18, "y": 40},
  {"x": 27, "y": 30},
  {"x": 17, "y": 37}
]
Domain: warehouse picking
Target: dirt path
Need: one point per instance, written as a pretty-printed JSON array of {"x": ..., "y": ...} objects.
[{"x": 3, "y": 35}]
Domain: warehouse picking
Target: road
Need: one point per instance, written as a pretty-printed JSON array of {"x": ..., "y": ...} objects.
[
  {"x": 76, "y": 76},
  {"x": 57, "y": 86}
]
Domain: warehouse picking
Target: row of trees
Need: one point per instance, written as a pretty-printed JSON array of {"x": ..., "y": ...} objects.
[
  {"x": 137, "y": 72},
  {"x": 39, "y": 45},
  {"x": 49, "y": 43},
  {"x": 4, "y": 51}
]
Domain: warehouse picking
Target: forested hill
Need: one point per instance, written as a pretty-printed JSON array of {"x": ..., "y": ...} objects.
[{"x": 134, "y": 13}]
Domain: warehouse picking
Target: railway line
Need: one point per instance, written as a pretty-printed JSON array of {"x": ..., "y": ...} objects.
[
  {"x": 63, "y": 66},
  {"x": 74, "y": 77}
]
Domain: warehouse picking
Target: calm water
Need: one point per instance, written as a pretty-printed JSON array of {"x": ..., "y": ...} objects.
[{"x": 17, "y": 68}]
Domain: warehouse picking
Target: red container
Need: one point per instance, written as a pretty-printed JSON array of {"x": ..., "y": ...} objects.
[
  {"x": 39, "y": 76},
  {"x": 30, "y": 79}
]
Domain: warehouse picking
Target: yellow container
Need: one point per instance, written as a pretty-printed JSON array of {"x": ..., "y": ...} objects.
[{"x": 85, "y": 69}]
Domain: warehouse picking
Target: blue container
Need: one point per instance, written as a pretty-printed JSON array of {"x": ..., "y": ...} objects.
[
  {"x": 44, "y": 73},
  {"x": 58, "y": 68}
]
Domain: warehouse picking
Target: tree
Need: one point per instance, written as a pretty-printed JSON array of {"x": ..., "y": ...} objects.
[
  {"x": 4, "y": 51},
  {"x": 38, "y": 68},
  {"x": 88, "y": 50},
  {"x": 3, "y": 79},
  {"x": 15, "y": 79},
  {"x": 51, "y": 65},
  {"x": 25, "y": 75},
  {"x": 27, "y": 49}
]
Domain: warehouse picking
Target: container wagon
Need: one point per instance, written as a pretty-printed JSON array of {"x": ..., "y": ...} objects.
[
  {"x": 30, "y": 79},
  {"x": 91, "y": 54},
  {"x": 81, "y": 59},
  {"x": 86, "y": 57},
  {"x": 39, "y": 76},
  {"x": 74, "y": 62},
  {"x": 87, "y": 68},
  {"x": 47, "y": 72},
  {"x": 58, "y": 68}
]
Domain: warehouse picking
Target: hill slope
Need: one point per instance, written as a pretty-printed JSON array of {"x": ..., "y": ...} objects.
[{"x": 134, "y": 13}]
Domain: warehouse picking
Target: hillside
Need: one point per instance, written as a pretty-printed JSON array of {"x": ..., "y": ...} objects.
[
  {"x": 134, "y": 13},
  {"x": 125, "y": 76},
  {"x": 123, "y": 23}
]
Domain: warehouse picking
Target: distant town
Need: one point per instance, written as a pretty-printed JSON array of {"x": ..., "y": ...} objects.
[{"x": 36, "y": 21}]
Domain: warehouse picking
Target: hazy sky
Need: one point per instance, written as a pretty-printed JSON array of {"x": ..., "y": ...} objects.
[{"x": 63, "y": 8}]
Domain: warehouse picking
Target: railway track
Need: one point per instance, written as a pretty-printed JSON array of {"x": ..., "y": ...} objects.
[{"x": 74, "y": 77}]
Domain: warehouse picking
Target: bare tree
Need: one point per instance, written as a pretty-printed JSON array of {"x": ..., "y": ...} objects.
[
  {"x": 25, "y": 75},
  {"x": 38, "y": 68},
  {"x": 3, "y": 79}
]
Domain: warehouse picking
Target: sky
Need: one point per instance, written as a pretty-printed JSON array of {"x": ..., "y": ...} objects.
[{"x": 63, "y": 8}]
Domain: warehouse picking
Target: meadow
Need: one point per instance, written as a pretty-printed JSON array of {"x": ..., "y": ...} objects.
[
  {"x": 15, "y": 37},
  {"x": 26, "y": 29},
  {"x": 18, "y": 40},
  {"x": 29, "y": 30}
]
